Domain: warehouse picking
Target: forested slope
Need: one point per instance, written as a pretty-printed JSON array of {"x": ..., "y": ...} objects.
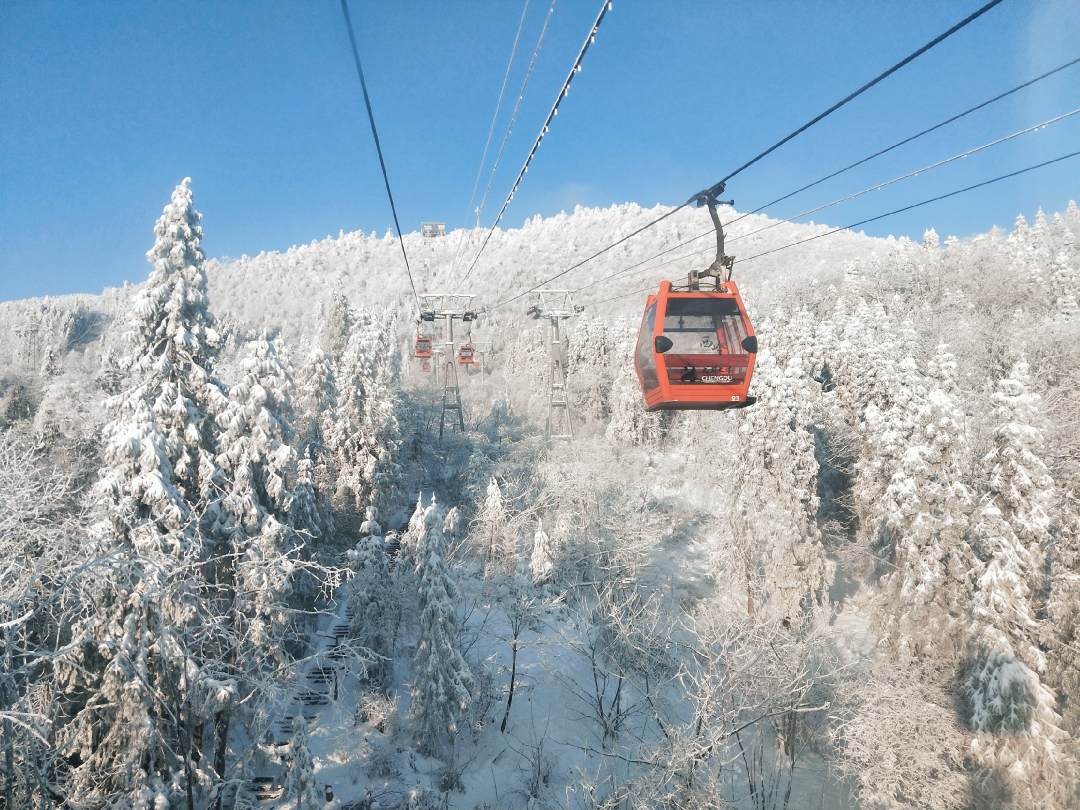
[{"x": 863, "y": 591}]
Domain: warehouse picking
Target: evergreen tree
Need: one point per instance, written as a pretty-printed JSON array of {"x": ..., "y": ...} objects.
[
  {"x": 925, "y": 516},
  {"x": 159, "y": 488},
  {"x": 409, "y": 541},
  {"x": 1013, "y": 713},
  {"x": 338, "y": 325},
  {"x": 364, "y": 438},
  {"x": 372, "y": 601},
  {"x": 1065, "y": 280},
  {"x": 256, "y": 451},
  {"x": 298, "y": 774},
  {"x": 540, "y": 564},
  {"x": 492, "y": 519},
  {"x": 160, "y": 441},
  {"x": 779, "y": 475},
  {"x": 442, "y": 682}
]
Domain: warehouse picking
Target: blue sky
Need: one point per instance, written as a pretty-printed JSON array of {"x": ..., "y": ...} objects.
[{"x": 106, "y": 106}]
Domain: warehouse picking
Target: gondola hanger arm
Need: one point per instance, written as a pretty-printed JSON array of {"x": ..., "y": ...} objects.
[{"x": 723, "y": 262}]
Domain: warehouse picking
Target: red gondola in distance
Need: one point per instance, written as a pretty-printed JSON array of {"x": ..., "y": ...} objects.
[{"x": 696, "y": 348}]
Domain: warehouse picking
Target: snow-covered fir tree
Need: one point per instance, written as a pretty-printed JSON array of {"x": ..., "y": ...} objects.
[
  {"x": 372, "y": 600},
  {"x": 925, "y": 511},
  {"x": 298, "y": 772},
  {"x": 160, "y": 441},
  {"x": 492, "y": 520},
  {"x": 540, "y": 564},
  {"x": 442, "y": 681},
  {"x": 1019, "y": 732},
  {"x": 160, "y": 491},
  {"x": 255, "y": 450}
]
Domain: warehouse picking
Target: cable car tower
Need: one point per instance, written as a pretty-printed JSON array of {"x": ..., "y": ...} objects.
[
  {"x": 448, "y": 307},
  {"x": 556, "y": 306}
]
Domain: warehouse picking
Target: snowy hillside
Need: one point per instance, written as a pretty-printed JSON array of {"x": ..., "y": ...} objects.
[
  {"x": 275, "y": 289},
  {"x": 244, "y": 566}
]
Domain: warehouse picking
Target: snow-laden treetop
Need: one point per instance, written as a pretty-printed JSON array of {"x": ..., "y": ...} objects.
[{"x": 171, "y": 324}]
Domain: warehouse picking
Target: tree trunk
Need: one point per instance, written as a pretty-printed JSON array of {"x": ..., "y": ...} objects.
[
  {"x": 513, "y": 675},
  {"x": 221, "y": 725},
  {"x": 9, "y": 766}
]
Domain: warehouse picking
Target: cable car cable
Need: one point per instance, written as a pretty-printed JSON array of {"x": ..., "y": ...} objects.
[
  {"x": 873, "y": 219},
  {"x": 378, "y": 148},
  {"x": 775, "y": 146},
  {"x": 491, "y": 132},
  {"x": 792, "y": 219},
  {"x": 879, "y": 186},
  {"x": 509, "y": 127},
  {"x": 867, "y": 86},
  {"x": 576, "y": 68},
  {"x": 911, "y": 174},
  {"x": 517, "y": 106},
  {"x": 915, "y": 205},
  {"x": 918, "y": 135}
]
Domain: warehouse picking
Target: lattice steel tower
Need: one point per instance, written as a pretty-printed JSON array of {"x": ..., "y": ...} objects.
[{"x": 557, "y": 306}]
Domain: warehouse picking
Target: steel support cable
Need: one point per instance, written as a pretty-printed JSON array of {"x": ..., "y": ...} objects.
[
  {"x": 780, "y": 143},
  {"x": 491, "y": 132},
  {"x": 911, "y": 138},
  {"x": 576, "y": 68},
  {"x": 876, "y": 218},
  {"x": 915, "y": 205},
  {"x": 509, "y": 128},
  {"x": 589, "y": 259},
  {"x": 791, "y": 219},
  {"x": 867, "y": 86},
  {"x": 378, "y": 147},
  {"x": 517, "y": 106}
]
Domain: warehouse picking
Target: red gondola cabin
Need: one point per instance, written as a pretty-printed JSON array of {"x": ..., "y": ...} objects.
[
  {"x": 423, "y": 346},
  {"x": 465, "y": 355},
  {"x": 695, "y": 350}
]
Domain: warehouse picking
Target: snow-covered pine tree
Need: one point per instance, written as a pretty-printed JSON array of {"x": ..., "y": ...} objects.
[
  {"x": 1018, "y": 740},
  {"x": 316, "y": 401},
  {"x": 540, "y": 563},
  {"x": 492, "y": 520},
  {"x": 260, "y": 552},
  {"x": 298, "y": 771},
  {"x": 442, "y": 681},
  {"x": 310, "y": 510},
  {"x": 159, "y": 487},
  {"x": 160, "y": 442},
  {"x": 1019, "y": 734},
  {"x": 630, "y": 423},
  {"x": 925, "y": 516},
  {"x": 364, "y": 438},
  {"x": 143, "y": 670},
  {"x": 1065, "y": 279},
  {"x": 588, "y": 355},
  {"x": 776, "y": 491},
  {"x": 409, "y": 542},
  {"x": 338, "y": 324},
  {"x": 255, "y": 450},
  {"x": 372, "y": 601}
]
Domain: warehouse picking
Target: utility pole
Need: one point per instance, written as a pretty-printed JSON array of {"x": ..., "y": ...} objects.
[
  {"x": 448, "y": 307},
  {"x": 557, "y": 306}
]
